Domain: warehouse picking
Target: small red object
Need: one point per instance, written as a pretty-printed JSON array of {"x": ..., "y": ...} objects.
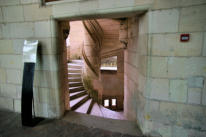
[{"x": 184, "y": 37}]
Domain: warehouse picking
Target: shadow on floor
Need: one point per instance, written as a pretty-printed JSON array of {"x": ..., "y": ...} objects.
[{"x": 10, "y": 126}]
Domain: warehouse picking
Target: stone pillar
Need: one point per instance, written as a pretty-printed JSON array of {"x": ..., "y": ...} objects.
[
  {"x": 64, "y": 28},
  {"x": 91, "y": 52}
]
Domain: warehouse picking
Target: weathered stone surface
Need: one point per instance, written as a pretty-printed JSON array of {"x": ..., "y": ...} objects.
[
  {"x": 89, "y": 6},
  {"x": 196, "y": 82},
  {"x": 42, "y": 29},
  {"x": 193, "y": 19},
  {"x": 194, "y": 95},
  {"x": 164, "y": 21},
  {"x": 54, "y": 28},
  {"x": 170, "y": 45},
  {"x": 17, "y": 105},
  {"x": 179, "y": 132},
  {"x": 165, "y": 131},
  {"x": 13, "y": 13},
  {"x": 159, "y": 89},
  {"x": 6, "y": 103},
  {"x": 14, "y": 76},
  {"x": 159, "y": 67},
  {"x": 65, "y": 9},
  {"x": 164, "y": 4},
  {"x": 2, "y": 75},
  {"x": 14, "y": 30},
  {"x": 204, "y": 96},
  {"x": 204, "y": 45},
  {"x": 49, "y": 46},
  {"x": 178, "y": 91},
  {"x": 18, "y": 46},
  {"x": 6, "y": 47},
  {"x": 186, "y": 67},
  {"x": 11, "y": 61},
  {"x": 28, "y": 1},
  {"x": 191, "y": 116},
  {"x": 44, "y": 95},
  {"x": 34, "y": 12},
  {"x": 47, "y": 79},
  {"x": 9, "y": 2},
  {"x": 8, "y": 91},
  {"x": 1, "y": 30},
  {"x": 1, "y": 15},
  {"x": 41, "y": 109},
  {"x": 152, "y": 107},
  {"x": 48, "y": 62},
  {"x": 168, "y": 113}
]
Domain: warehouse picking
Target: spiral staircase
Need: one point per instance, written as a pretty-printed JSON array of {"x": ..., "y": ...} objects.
[{"x": 80, "y": 101}]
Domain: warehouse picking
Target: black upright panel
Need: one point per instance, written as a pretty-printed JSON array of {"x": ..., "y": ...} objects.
[{"x": 27, "y": 94}]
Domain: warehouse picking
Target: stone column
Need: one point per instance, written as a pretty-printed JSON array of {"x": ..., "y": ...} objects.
[{"x": 91, "y": 52}]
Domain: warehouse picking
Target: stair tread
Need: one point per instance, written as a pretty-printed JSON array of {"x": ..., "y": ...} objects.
[
  {"x": 96, "y": 111},
  {"x": 90, "y": 107},
  {"x": 74, "y": 69},
  {"x": 74, "y": 64},
  {"x": 111, "y": 113},
  {"x": 84, "y": 107},
  {"x": 75, "y": 93},
  {"x": 75, "y": 82},
  {"x": 77, "y": 100},
  {"x": 76, "y": 87},
  {"x": 74, "y": 78},
  {"x": 74, "y": 73},
  {"x": 76, "y": 60}
]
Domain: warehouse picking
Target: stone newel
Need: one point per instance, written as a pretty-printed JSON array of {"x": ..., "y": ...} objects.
[{"x": 92, "y": 58}]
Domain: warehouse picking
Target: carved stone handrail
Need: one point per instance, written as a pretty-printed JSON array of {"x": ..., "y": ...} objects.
[{"x": 96, "y": 33}]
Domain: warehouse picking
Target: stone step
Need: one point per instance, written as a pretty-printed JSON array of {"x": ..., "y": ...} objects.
[
  {"x": 75, "y": 84},
  {"x": 72, "y": 70},
  {"x": 84, "y": 108},
  {"x": 74, "y": 74},
  {"x": 96, "y": 111},
  {"x": 77, "y": 94},
  {"x": 77, "y": 62},
  {"x": 74, "y": 104},
  {"x": 90, "y": 107},
  {"x": 76, "y": 89},
  {"x": 75, "y": 66},
  {"x": 75, "y": 79}
]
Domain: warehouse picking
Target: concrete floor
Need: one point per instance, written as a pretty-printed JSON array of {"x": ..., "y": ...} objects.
[{"x": 10, "y": 126}]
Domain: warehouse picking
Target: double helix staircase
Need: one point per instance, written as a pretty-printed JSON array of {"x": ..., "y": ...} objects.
[{"x": 80, "y": 101}]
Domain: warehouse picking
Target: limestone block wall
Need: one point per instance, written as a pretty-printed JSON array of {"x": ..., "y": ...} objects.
[
  {"x": 76, "y": 39},
  {"x": 166, "y": 91},
  {"x": 135, "y": 66},
  {"x": 25, "y": 19},
  {"x": 175, "y": 87}
]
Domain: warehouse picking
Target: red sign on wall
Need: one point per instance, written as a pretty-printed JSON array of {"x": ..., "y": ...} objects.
[{"x": 184, "y": 37}]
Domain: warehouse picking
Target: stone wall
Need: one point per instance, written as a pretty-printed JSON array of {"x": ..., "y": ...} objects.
[
  {"x": 175, "y": 88},
  {"x": 76, "y": 39},
  {"x": 135, "y": 65},
  {"x": 21, "y": 20},
  {"x": 166, "y": 91}
]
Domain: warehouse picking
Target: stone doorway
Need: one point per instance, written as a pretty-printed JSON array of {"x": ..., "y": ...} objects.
[
  {"x": 80, "y": 59},
  {"x": 134, "y": 60}
]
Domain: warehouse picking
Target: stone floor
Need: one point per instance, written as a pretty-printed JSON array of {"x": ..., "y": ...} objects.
[{"x": 10, "y": 126}]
